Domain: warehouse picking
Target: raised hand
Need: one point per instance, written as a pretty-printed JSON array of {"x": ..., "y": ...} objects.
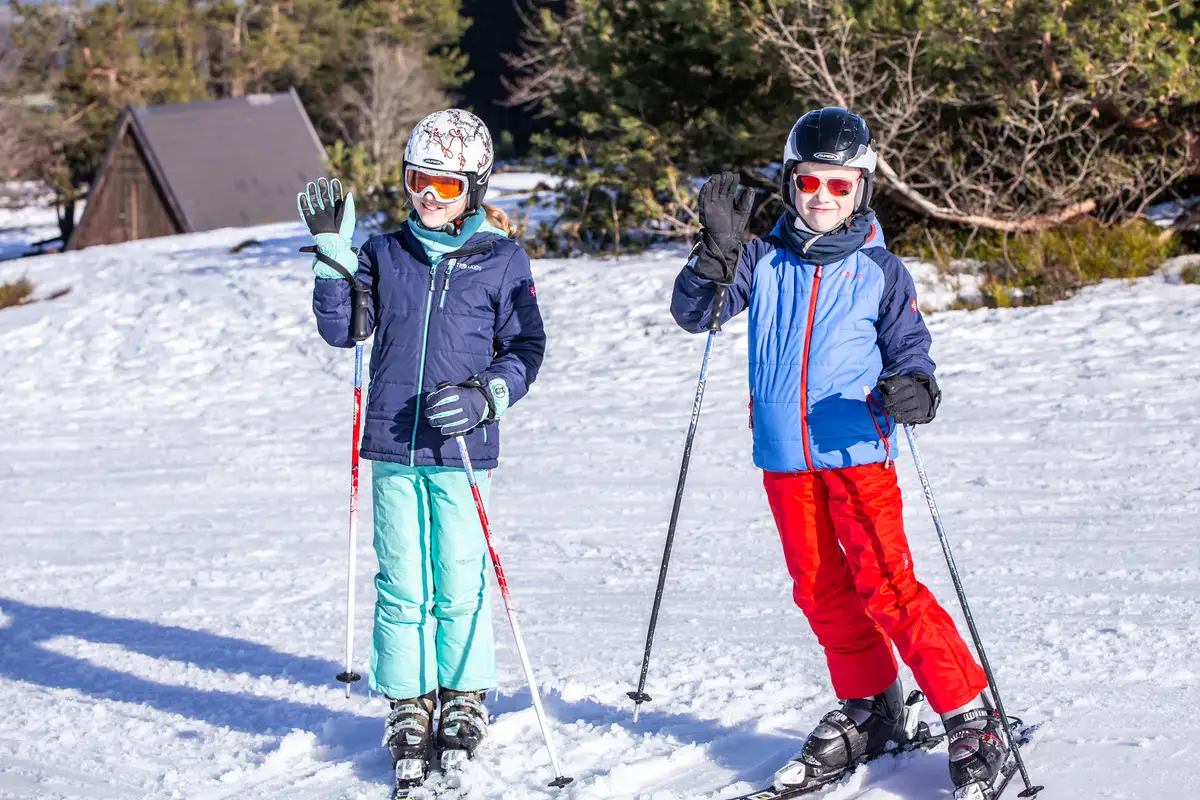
[{"x": 330, "y": 219}]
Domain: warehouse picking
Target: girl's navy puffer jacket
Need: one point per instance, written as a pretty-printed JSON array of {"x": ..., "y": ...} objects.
[{"x": 473, "y": 315}]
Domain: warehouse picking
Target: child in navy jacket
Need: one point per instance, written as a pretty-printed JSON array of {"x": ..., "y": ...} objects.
[{"x": 458, "y": 339}]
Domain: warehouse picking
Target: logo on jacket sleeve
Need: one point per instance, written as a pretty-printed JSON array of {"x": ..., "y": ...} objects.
[
  {"x": 532, "y": 290},
  {"x": 912, "y": 304}
]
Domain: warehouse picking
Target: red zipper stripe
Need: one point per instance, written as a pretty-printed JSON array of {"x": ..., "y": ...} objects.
[{"x": 808, "y": 332}]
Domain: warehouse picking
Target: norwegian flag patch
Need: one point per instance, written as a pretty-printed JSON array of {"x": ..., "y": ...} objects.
[
  {"x": 532, "y": 290},
  {"x": 913, "y": 305}
]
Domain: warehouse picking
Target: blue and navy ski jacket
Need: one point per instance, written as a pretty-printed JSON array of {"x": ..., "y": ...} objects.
[
  {"x": 474, "y": 314},
  {"x": 819, "y": 333}
]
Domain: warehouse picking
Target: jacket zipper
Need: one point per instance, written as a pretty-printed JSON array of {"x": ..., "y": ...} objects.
[
  {"x": 412, "y": 446},
  {"x": 446, "y": 286},
  {"x": 450, "y": 265},
  {"x": 808, "y": 333}
]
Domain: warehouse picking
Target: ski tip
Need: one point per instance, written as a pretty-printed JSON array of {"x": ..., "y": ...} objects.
[
  {"x": 453, "y": 760},
  {"x": 410, "y": 775},
  {"x": 971, "y": 791}
]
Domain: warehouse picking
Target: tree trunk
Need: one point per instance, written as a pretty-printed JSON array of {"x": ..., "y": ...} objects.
[{"x": 66, "y": 219}]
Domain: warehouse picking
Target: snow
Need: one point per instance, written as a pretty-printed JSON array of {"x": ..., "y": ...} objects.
[
  {"x": 527, "y": 196},
  {"x": 27, "y": 215},
  {"x": 20, "y": 228},
  {"x": 1173, "y": 268},
  {"x": 503, "y": 183},
  {"x": 939, "y": 289},
  {"x": 1165, "y": 214},
  {"x": 173, "y": 493}
]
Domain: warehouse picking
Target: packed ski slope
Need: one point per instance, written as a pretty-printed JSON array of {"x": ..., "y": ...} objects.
[{"x": 173, "y": 494}]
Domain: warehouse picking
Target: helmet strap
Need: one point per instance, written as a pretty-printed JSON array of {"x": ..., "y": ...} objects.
[{"x": 452, "y": 228}]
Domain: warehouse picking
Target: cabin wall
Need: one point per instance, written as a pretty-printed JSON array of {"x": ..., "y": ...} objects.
[{"x": 128, "y": 203}]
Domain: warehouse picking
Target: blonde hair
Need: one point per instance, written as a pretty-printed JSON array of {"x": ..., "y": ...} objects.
[{"x": 498, "y": 219}]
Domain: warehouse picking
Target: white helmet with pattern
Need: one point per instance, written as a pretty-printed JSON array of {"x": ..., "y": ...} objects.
[{"x": 457, "y": 142}]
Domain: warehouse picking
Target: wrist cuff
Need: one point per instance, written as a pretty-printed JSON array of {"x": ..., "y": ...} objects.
[{"x": 498, "y": 398}]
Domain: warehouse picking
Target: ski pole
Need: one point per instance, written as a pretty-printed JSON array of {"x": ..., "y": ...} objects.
[
  {"x": 360, "y": 301},
  {"x": 1030, "y": 789},
  {"x": 714, "y": 327},
  {"x": 360, "y": 330},
  {"x": 349, "y": 676},
  {"x": 559, "y": 780}
]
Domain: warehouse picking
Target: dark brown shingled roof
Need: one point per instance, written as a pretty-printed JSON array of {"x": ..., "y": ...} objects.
[{"x": 231, "y": 163}]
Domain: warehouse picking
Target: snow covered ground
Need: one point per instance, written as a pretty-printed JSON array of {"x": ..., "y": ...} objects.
[
  {"x": 21, "y": 227},
  {"x": 524, "y": 196},
  {"x": 173, "y": 487}
]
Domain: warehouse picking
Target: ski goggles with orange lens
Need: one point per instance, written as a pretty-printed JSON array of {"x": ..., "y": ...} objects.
[
  {"x": 811, "y": 184},
  {"x": 447, "y": 186}
]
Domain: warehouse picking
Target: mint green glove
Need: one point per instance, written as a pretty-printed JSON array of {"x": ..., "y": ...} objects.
[{"x": 330, "y": 221}]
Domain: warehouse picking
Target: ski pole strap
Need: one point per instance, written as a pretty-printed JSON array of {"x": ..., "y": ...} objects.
[
  {"x": 718, "y": 308},
  {"x": 360, "y": 297},
  {"x": 874, "y": 405}
]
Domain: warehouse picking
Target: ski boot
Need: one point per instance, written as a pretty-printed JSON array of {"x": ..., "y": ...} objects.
[
  {"x": 461, "y": 726},
  {"x": 978, "y": 749},
  {"x": 859, "y": 729},
  {"x": 407, "y": 738}
]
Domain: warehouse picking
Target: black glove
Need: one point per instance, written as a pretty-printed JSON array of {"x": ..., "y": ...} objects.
[
  {"x": 724, "y": 227},
  {"x": 330, "y": 219},
  {"x": 456, "y": 410},
  {"x": 912, "y": 399}
]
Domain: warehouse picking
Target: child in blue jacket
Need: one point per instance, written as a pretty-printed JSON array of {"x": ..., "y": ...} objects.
[
  {"x": 458, "y": 339},
  {"x": 839, "y": 354}
]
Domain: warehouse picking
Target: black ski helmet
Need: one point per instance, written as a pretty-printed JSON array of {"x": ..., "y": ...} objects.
[{"x": 830, "y": 136}]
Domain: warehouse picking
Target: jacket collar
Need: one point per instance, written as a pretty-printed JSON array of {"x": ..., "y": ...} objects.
[
  {"x": 825, "y": 248},
  {"x": 481, "y": 242}
]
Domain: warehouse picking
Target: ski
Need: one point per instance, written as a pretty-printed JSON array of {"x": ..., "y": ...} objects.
[
  {"x": 404, "y": 785},
  {"x": 910, "y": 746},
  {"x": 440, "y": 766},
  {"x": 437, "y": 785},
  {"x": 917, "y": 736},
  {"x": 922, "y": 740},
  {"x": 432, "y": 785}
]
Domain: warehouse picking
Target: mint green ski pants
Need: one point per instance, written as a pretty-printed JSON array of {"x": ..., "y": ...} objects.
[{"x": 433, "y": 623}]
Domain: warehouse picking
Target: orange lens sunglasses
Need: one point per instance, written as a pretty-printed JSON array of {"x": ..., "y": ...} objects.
[{"x": 446, "y": 187}]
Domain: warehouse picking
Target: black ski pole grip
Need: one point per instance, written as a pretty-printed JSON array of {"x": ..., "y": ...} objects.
[
  {"x": 360, "y": 307},
  {"x": 360, "y": 296},
  {"x": 718, "y": 308}
]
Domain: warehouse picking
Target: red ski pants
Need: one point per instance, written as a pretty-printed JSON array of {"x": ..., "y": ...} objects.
[{"x": 843, "y": 538}]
